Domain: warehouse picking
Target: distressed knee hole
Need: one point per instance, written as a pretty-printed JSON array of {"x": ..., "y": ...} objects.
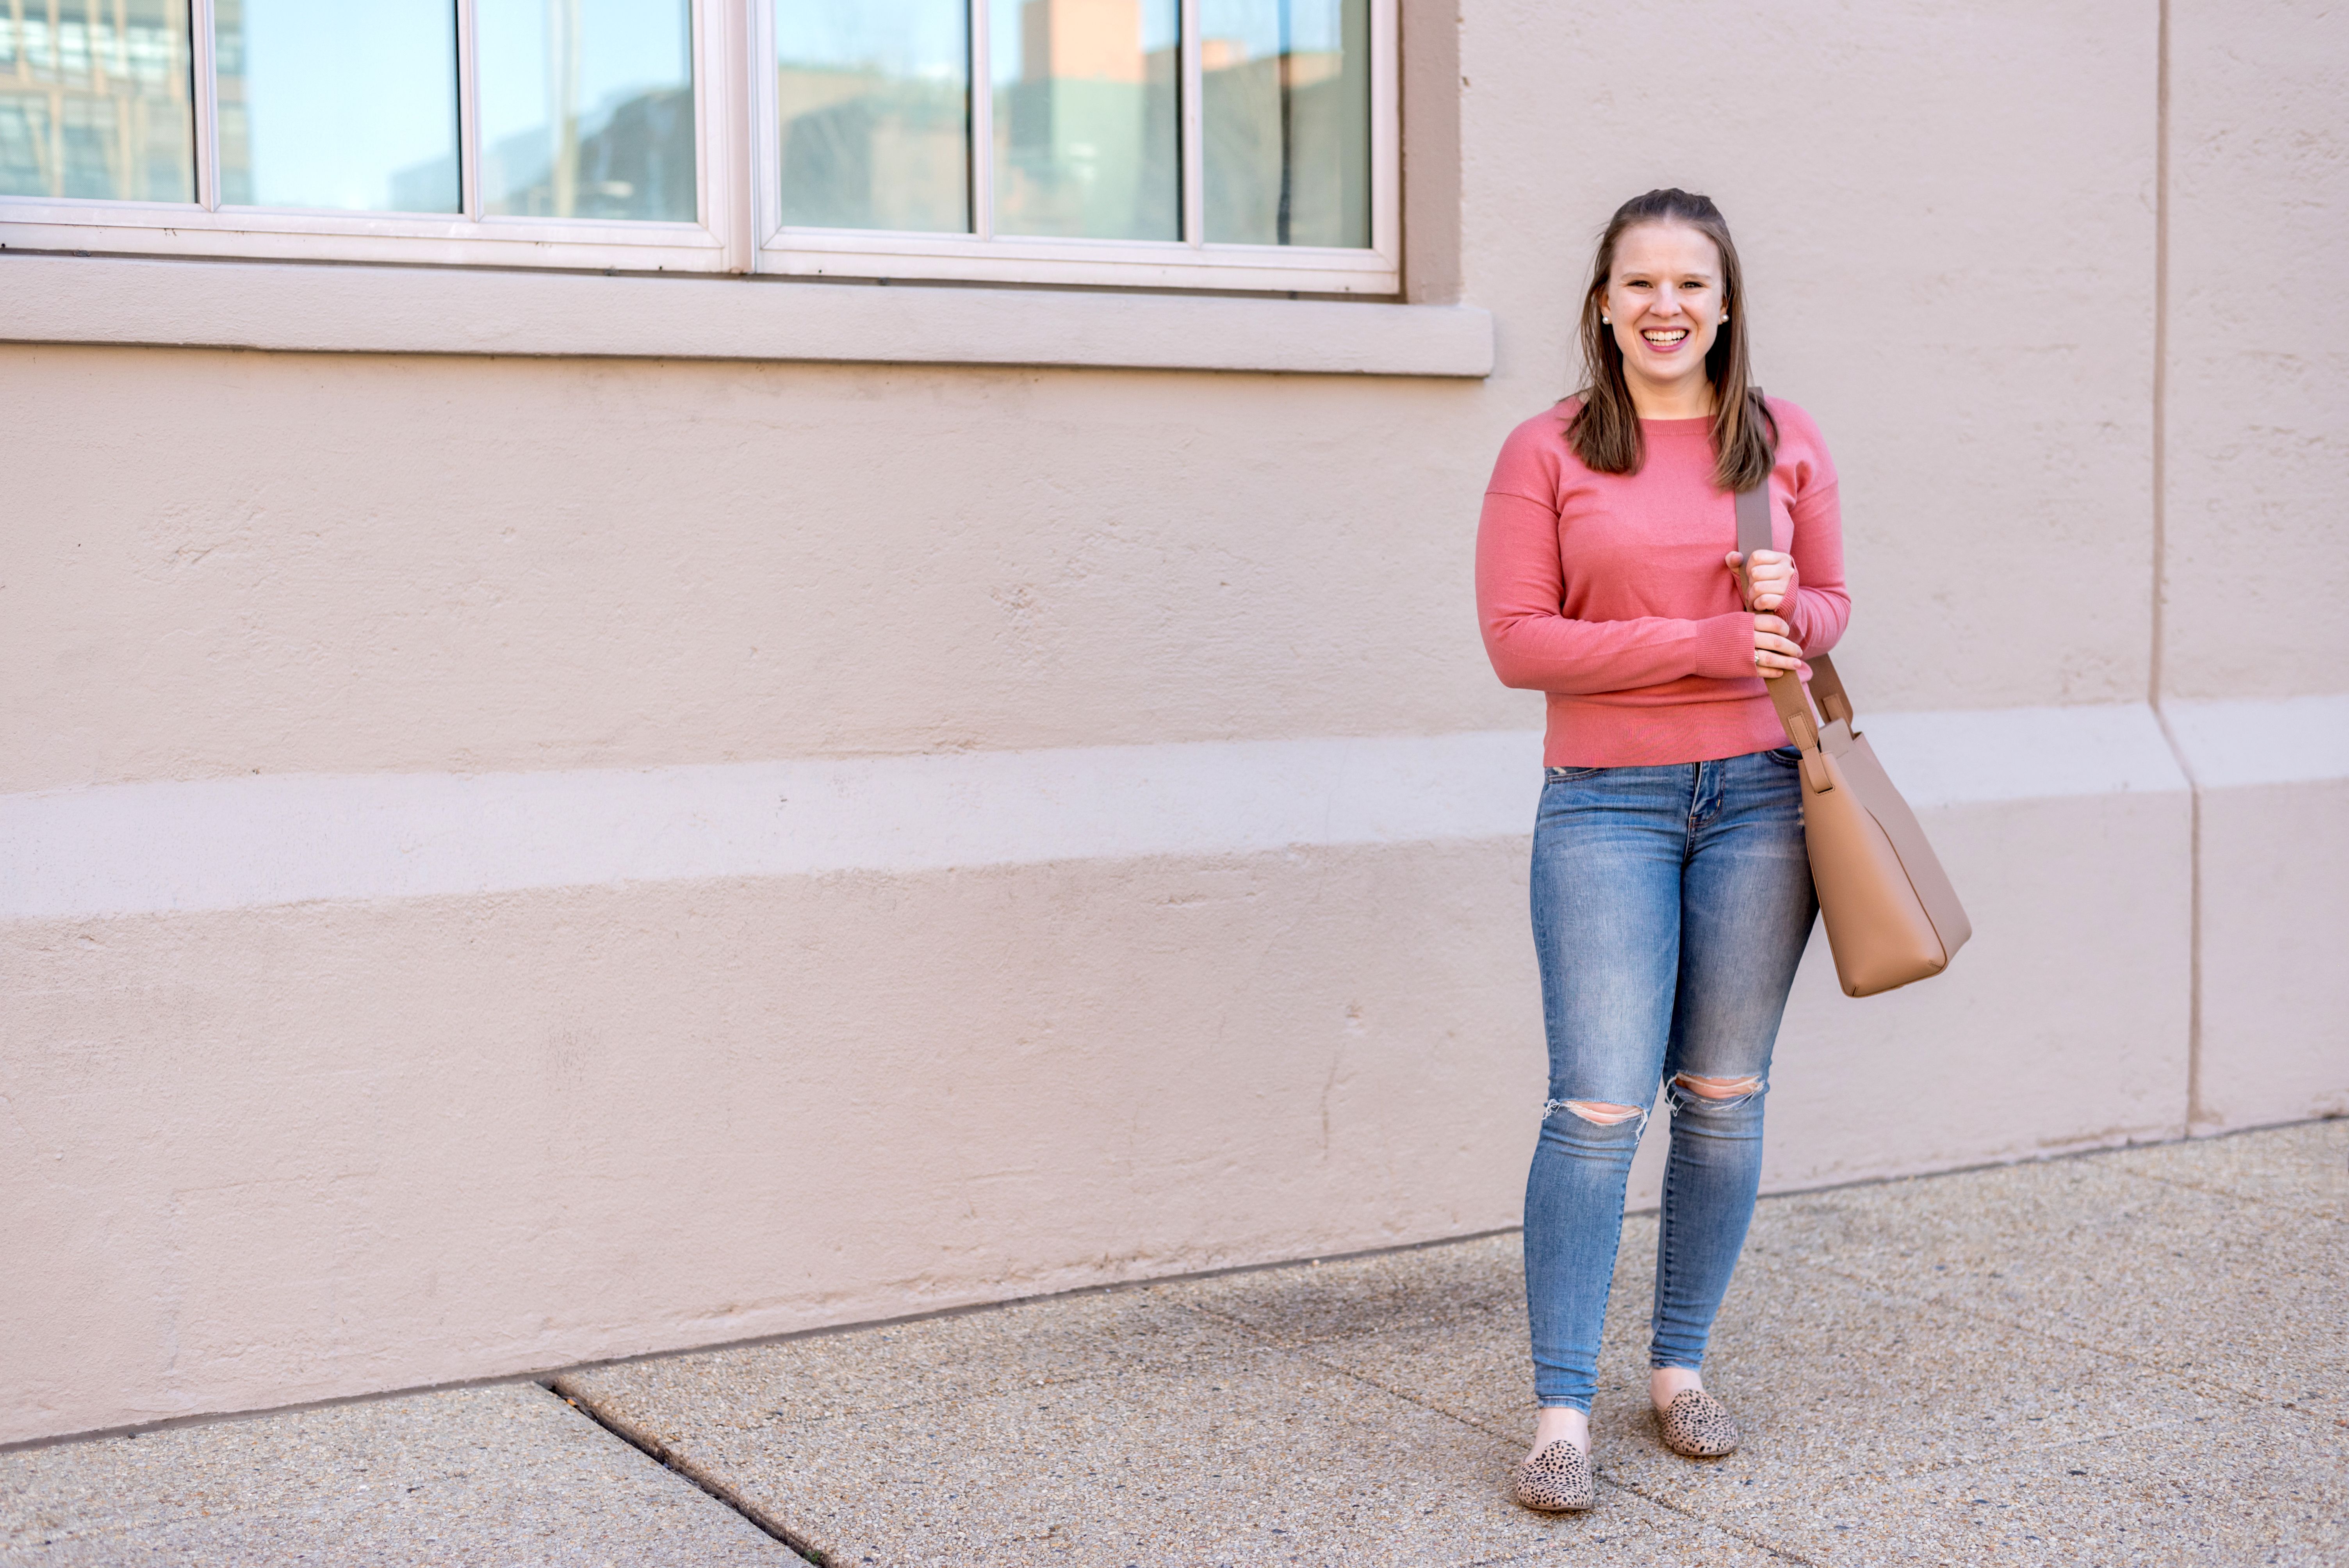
[
  {"x": 1599, "y": 1113},
  {"x": 1718, "y": 1087}
]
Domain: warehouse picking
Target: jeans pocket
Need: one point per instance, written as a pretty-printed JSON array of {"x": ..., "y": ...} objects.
[
  {"x": 1568, "y": 775},
  {"x": 1789, "y": 756}
]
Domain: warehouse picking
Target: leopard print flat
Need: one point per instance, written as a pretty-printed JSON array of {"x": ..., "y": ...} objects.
[
  {"x": 1698, "y": 1424},
  {"x": 1557, "y": 1480}
]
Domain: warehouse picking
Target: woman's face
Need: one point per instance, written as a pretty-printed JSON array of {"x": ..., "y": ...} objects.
[{"x": 1664, "y": 300}]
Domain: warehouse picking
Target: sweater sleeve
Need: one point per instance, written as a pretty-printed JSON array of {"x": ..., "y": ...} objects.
[
  {"x": 1821, "y": 606},
  {"x": 1534, "y": 645}
]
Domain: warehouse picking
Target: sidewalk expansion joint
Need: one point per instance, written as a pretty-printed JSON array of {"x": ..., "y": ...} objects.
[{"x": 658, "y": 1453}]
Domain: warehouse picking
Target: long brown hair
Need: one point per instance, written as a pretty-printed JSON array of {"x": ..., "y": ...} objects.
[{"x": 1605, "y": 431}]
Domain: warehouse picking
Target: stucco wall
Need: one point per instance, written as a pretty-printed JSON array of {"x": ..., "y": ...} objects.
[
  {"x": 2255, "y": 554},
  {"x": 289, "y": 1117}
]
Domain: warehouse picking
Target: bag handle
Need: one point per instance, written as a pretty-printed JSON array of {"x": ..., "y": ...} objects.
[{"x": 1787, "y": 694}]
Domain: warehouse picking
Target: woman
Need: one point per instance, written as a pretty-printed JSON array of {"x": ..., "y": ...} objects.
[{"x": 1672, "y": 897}]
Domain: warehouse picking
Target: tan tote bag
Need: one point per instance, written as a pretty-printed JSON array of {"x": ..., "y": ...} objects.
[{"x": 1891, "y": 915}]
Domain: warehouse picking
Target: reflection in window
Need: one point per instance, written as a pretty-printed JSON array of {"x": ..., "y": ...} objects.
[
  {"x": 587, "y": 108},
  {"x": 94, "y": 100},
  {"x": 1285, "y": 92},
  {"x": 1085, "y": 119},
  {"x": 337, "y": 103},
  {"x": 874, "y": 100}
]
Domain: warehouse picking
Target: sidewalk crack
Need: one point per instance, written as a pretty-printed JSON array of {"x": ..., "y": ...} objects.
[{"x": 660, "y": 1453}]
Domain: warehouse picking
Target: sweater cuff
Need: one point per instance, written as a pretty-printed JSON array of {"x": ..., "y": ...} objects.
[{"x": 1724, "y": 648}]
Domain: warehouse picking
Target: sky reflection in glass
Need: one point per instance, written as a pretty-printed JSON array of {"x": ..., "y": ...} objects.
[{"x": 350, "y": 104}]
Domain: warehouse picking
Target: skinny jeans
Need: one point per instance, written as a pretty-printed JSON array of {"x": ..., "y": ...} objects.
[{"x": 1670, "y": 906}]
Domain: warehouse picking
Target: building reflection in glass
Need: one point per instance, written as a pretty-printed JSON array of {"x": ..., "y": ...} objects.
[
  {"x": 1285, "y": 93},
  {"x": 348, "y": 104},
  {"x": 1086, "y": 127},
  {"x": 874, "y": 104},
  {"x": 95, "y": 100},
  {"x": 586, "y": 109}
]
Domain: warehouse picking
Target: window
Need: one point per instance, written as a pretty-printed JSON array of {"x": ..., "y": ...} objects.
[
  {"x": 1246, "y": 144},
  {"x": 510, "y": 132}
]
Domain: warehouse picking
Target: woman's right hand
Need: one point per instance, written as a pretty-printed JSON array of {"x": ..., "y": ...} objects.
[{"x": 1774, "y": 652}]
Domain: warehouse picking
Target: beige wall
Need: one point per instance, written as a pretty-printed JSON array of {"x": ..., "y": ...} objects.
[
  {"x": 2255, "y": 557},
  {"x": 2256, "y": 334},
  {"x": 326, "y": 565},
  {"x": 330, "y": 1130}
]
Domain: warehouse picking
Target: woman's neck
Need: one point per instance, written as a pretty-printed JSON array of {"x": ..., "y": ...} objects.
[{"x": 1682, "y": 400}]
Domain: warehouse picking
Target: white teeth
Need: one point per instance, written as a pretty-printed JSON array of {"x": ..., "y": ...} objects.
[{"x": 1671, "y": 336}]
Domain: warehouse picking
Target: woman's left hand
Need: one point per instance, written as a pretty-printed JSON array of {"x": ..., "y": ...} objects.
[{"x": 1773, "y": 577}]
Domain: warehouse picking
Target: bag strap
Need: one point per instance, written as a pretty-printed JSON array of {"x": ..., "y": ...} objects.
[{"x": 1794, "y": 707}]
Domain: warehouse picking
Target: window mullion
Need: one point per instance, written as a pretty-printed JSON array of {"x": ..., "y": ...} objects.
[
  {"x": 206, "y": 93},
  {"x": 1386, "y": 131},
  {"x": 1194, "y": 128},
  {"x": 469, "y": 115},
  {"x": 737, "y": 102},
  {"x": 982, "y": 123},
  {"x": 734, "y": 100}
]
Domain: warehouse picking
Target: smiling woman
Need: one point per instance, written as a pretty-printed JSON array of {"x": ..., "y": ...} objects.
[{"x": 1671, "y": 895}]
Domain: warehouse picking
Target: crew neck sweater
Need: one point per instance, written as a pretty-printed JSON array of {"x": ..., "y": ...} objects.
[{"x": 1609, "y": 593}]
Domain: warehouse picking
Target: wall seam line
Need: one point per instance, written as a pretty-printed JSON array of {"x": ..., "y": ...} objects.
[{"x": 2155, "y": 671}]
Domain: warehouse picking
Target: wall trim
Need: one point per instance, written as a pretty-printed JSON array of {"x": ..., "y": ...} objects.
[
  {"x": 2250, "y": 740},
  {"x": 259, "y": 841},
  {"x": 324, "y": 309}
]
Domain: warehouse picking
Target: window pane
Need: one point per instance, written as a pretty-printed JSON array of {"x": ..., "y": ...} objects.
[
  {"x": 338, "y": 103},
  {"x": 1085, "y": 122},
  {"x": 94, "y": 100},
  {"x": 1285, "y": 92},
  {"x": 587, "y": 108},
  {"x": 874, "y": 100}
]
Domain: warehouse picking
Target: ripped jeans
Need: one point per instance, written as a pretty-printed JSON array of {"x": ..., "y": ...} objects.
[{"x": 1670, "y": 906}]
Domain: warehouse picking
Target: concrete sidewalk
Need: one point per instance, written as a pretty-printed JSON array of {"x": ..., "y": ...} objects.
[{"x": 2123, "y": 1358}]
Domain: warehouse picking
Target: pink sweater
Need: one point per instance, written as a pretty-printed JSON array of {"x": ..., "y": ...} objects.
[{"x": 1608, "y": 591}]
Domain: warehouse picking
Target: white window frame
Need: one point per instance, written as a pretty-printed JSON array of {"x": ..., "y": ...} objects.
[
  {"x": 739, "y": 196},
  {"x": 1188, "y": 262},
  {"x": 470, "y": 238}
]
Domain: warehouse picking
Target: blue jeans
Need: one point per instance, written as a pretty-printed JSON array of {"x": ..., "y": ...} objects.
[{"x": 1670, "y": 906}]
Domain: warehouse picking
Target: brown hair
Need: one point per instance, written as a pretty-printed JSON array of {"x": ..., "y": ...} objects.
[{"x": 1605, "y": 431}]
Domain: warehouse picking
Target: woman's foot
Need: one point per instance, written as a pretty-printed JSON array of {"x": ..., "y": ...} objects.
[
  {"x": 1666, "y": 1384},
  {"x": 1689, "y": 1420},
  {"x": 1555, "y": 1476},
  {"x": 1553, "y": 1423}
]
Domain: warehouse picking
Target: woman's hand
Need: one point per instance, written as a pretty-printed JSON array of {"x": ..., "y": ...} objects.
[
  {"x": 1772, "y": 576},
  {"x": 1774, "y": 654}
]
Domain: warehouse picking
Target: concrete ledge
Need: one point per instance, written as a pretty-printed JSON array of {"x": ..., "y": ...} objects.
[
  {"x": 2282, "y": 741},
  {"x": 229, "y": 844},
  {"x": 2272, "y": 834},
  {"x": 418, "y": 310}
]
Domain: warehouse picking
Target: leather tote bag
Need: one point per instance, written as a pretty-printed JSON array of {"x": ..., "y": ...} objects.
[{"x": 1891, "y": 915}]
